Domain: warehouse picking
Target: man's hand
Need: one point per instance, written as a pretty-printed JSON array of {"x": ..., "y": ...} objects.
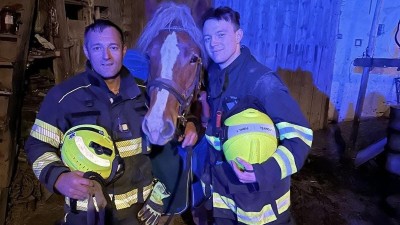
[
  {"x": 243, "y": 170},
  {"x": 190, "y": 137},
  {"x": 73, "y": 185}
]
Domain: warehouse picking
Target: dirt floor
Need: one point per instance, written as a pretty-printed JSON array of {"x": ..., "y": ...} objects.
[{"x": 329, "y": 190}]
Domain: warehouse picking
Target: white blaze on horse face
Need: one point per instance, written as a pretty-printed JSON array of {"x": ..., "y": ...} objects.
[{"x": 169, "y": 53}]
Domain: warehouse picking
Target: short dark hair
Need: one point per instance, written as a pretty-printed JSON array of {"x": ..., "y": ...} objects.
[
  {"x": 222, "y": 13},
  {"x": 99, "y": 25}
]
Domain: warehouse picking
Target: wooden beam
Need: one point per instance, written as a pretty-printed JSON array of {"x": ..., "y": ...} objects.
[
  {"x": 3, "y": 203},
  {"x": 61, "y": 66},
  {"x": 370, "y": 152},
  {"x": 377, "y": 62},
  {"x": 351, "y": 152}
]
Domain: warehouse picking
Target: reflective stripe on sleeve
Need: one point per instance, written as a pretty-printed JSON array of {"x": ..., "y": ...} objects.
[
  {"x": 285, "y": 160},
  {"x": 47, "y": 133},
  {"x": 265, "y": 215},
  {"x": 214, "y": 141},
  {"x": 44, "y": 160},
  {"x": 289, "y": 131}
]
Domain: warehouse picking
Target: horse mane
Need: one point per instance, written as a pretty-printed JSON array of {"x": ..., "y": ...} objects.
[{"x": 175, "y": 17}]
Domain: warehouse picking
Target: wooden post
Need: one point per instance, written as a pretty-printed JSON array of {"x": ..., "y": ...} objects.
[
  {"x": 10, "y": 133},
  {"x": 61, "y": 66},
  {"x": 351, "y": 152}
]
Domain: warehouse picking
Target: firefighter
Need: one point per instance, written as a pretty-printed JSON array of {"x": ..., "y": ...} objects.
[
  {"x": 105, "y": 95},
  {"x": 243, "y": 190}
]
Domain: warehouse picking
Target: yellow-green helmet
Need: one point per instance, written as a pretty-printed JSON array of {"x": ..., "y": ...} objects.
[
  {"x": 250, "y": 135},
  {"x": 88, "y": 148}
]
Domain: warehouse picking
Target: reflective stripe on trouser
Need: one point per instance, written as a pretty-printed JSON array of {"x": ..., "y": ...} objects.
[
  {"x": 121, "y": 201},
  {"x": 265, "y": 215}
]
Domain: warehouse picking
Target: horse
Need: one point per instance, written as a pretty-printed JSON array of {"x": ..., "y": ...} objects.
[{"x": 173, "y": 44}]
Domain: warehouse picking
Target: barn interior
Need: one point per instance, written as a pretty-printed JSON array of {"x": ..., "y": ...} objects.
[{"x": 339, "y": 58}]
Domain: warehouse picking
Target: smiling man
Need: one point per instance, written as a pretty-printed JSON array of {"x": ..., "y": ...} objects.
[
  {"x": 248, "y": 190},
  {"x": 102, "y": 101}
]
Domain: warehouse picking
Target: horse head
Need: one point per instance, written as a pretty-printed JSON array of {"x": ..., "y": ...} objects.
[{"x": 172, "y": 42}]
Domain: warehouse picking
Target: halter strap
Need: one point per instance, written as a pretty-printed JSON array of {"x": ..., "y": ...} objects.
[
  {"x": 174, "y": 28},
  {"x": 184, "y": 97}
]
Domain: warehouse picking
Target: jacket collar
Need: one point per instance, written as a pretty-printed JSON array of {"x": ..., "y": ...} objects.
[
  {"x": 128, "y": 87},
  {"x": 219, "y": 78},
  {"x": 244, "y": 54}
]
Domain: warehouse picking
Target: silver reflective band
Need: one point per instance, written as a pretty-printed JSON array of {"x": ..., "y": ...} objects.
[{"x": 250, "y": 128}]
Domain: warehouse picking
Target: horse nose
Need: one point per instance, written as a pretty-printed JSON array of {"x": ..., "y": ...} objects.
[
  {"x": 158, "y": 133},
  {"x": 168, "y": 129}
]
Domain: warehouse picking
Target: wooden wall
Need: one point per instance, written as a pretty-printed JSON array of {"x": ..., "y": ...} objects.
[
  {"x": 130, "y": 15},
  {"x": 297, "y": 39}
]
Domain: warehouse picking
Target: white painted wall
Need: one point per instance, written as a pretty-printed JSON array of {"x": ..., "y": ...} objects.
[{"x": 355, "y": 23}]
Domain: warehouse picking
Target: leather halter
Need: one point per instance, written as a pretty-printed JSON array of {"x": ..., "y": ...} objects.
[{"x": 184, "y": 97}]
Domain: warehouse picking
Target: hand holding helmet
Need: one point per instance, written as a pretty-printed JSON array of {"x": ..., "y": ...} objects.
[
  {"x": 73, "y": 185},
  {"x": 250, "y": 138},
  {"x": 243, "y": 170},
  {"x": 90, "y": 153}
]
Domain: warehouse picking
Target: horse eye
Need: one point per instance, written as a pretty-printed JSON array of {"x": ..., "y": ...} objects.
[{"x": 194, "y": 59}]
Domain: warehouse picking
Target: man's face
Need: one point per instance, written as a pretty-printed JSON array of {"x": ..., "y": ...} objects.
[
  {"x": 105, "y": 51},
  {"x": 221, "y": 41}
]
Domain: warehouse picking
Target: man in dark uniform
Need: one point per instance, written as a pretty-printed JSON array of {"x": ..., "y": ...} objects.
[
  {"x": 106, "y": 95},
  {"x": 244, "y": 193}
]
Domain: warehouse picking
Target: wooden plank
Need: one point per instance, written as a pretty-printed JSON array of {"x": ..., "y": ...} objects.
[
  {"x": 306, "y": 91},
  {"x": 126, "y": 22},
  {"x": 3, "y": 203},
  {"x": 61, "y": 66},
  {"x": 351, "y": 151},
  {"x": 370, "y": 152},
  {"x": 6, "y": 81},
  {"x": 8, "y": 37},
  {"x": 3, "y": 110},
  {"x": 6, "y": 64},
  {"x": 377, "y": 62},
  {"x": 7, "y": 53},
  {"x": 116, "y": 12},
  {"x": 138, "y": 18},
  {"x": 6, "y": 157},
  {"x": 76, "y": 30},
  {"x": 10, "y": 122},
  {"x": 318, "y": 109},
  {"x": 287, "y": 78}
]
